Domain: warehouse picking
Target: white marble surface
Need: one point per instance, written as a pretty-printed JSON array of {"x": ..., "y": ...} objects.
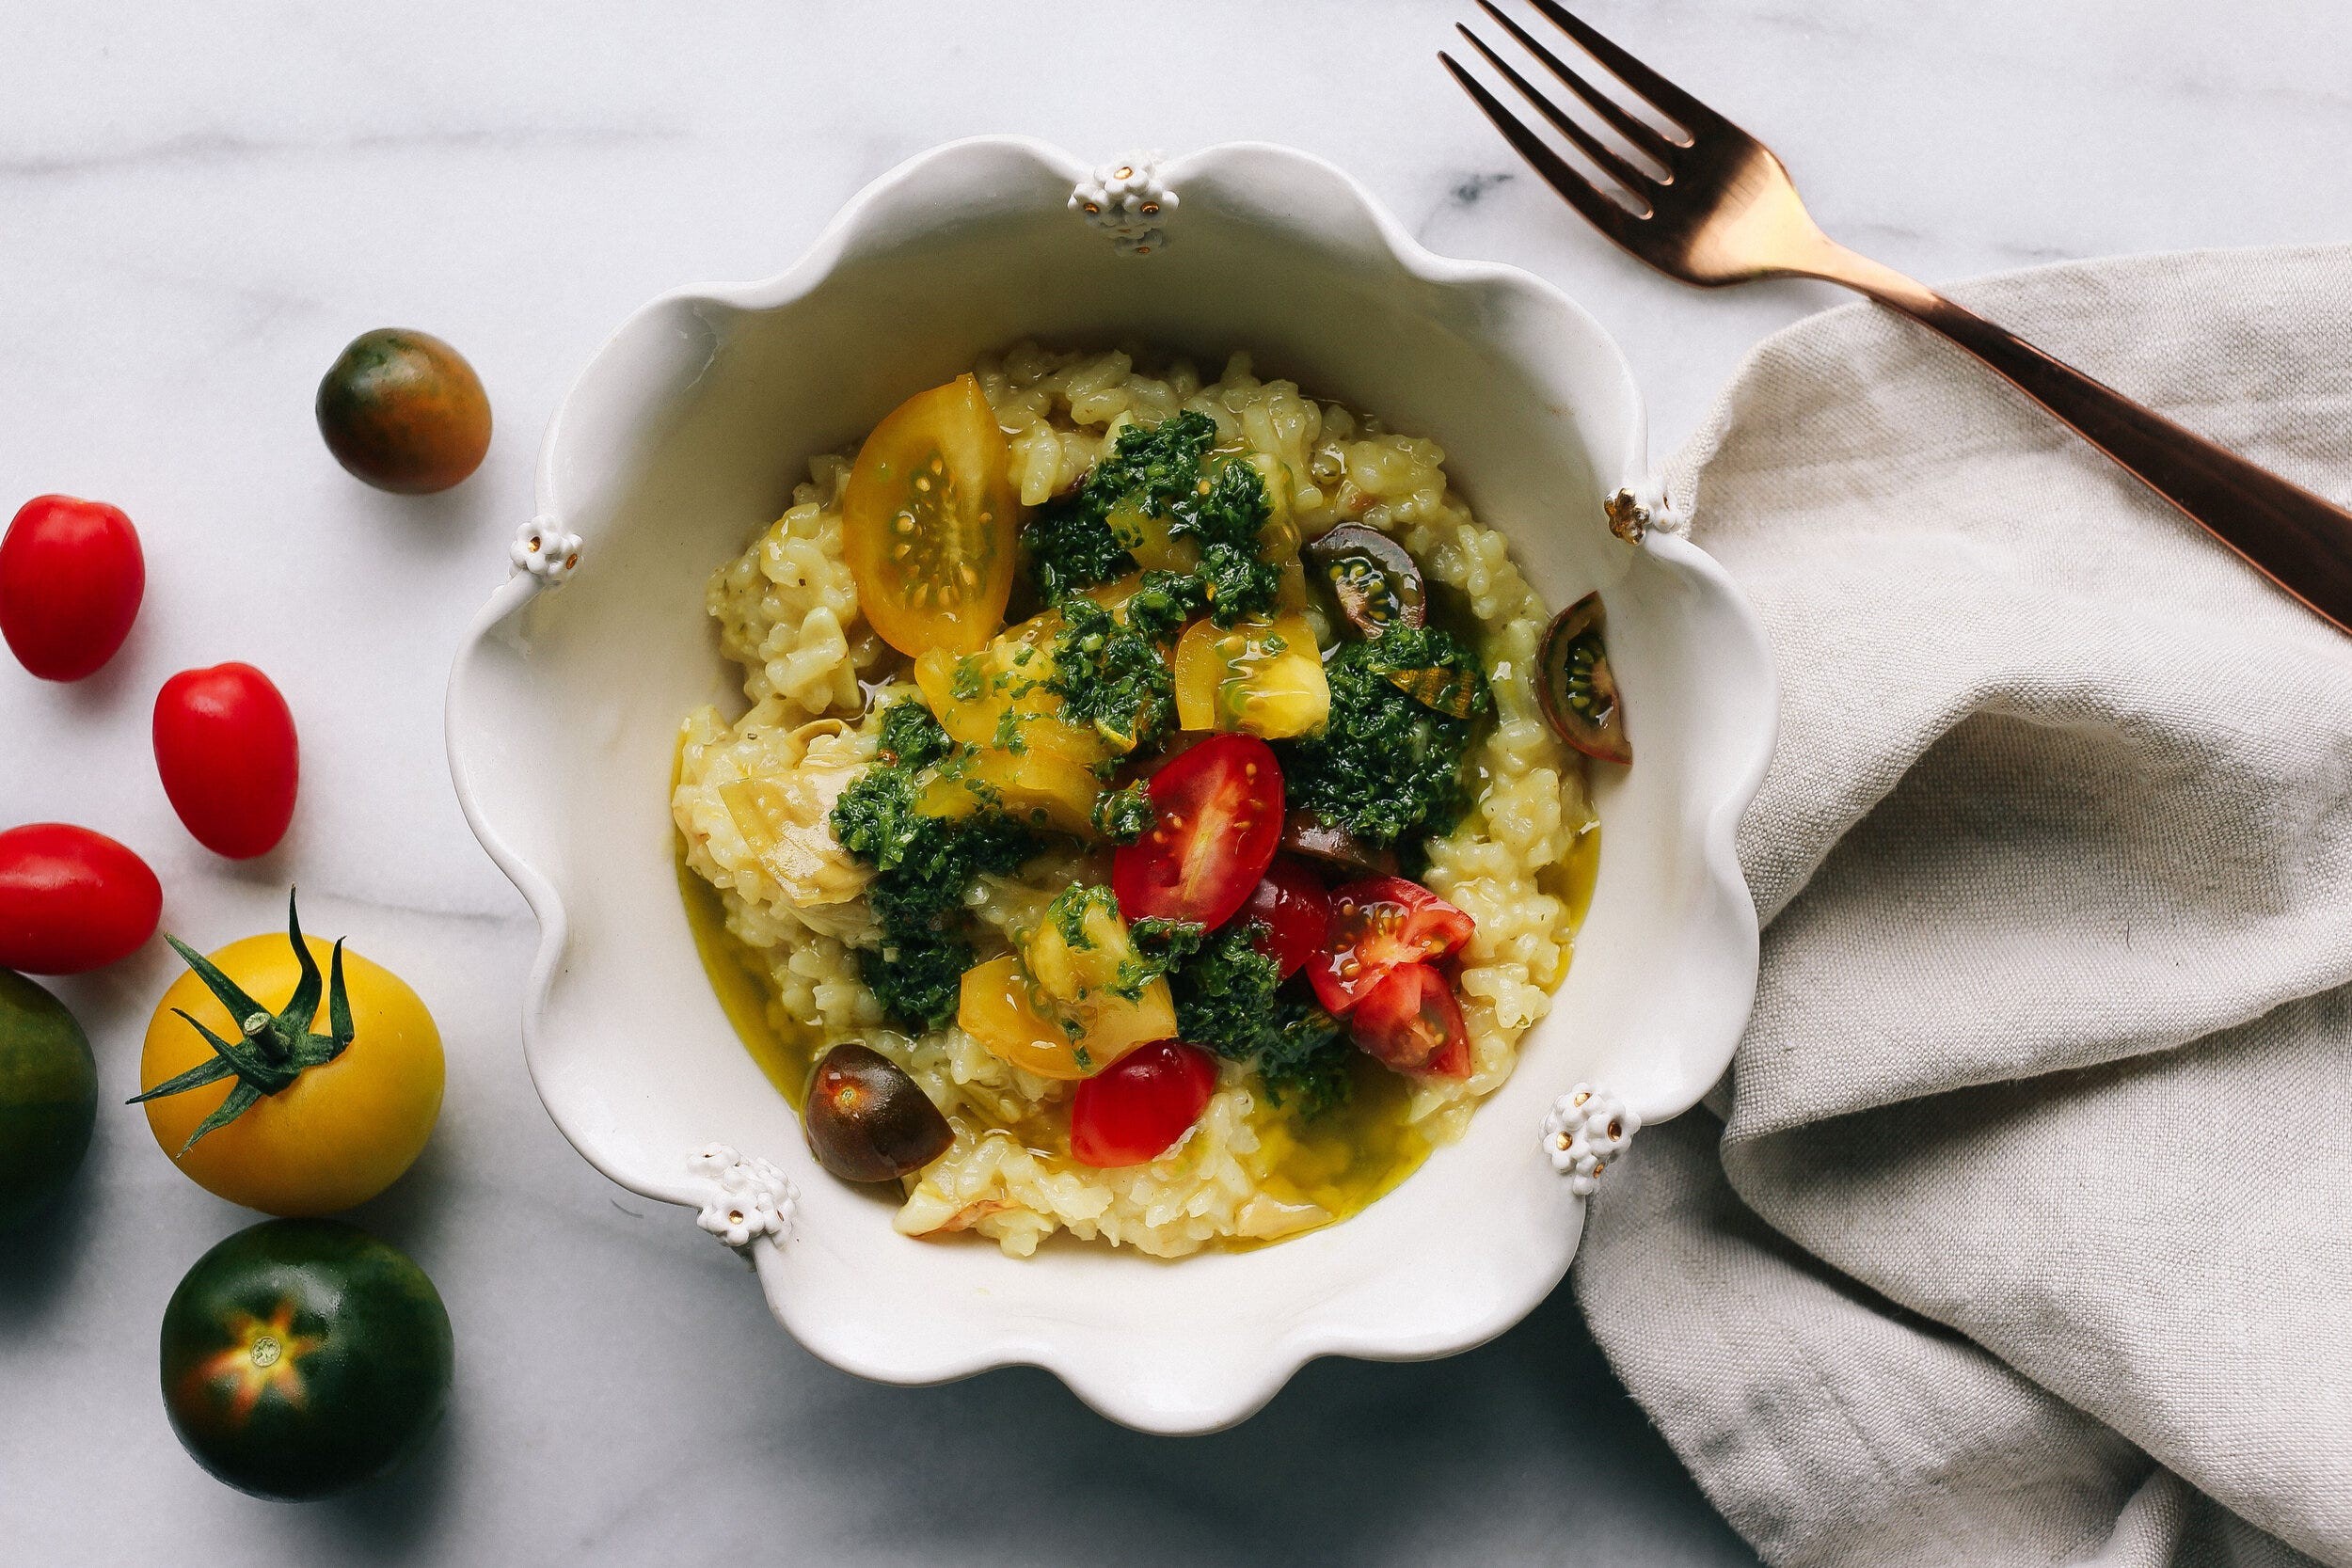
[{"x": 198, "y": 205}]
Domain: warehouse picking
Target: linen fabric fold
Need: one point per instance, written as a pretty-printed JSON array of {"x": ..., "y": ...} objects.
[{"x": 2021, "y": 1231}]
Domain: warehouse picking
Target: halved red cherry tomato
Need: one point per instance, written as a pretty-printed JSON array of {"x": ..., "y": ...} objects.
[
  {"x": 71, "y": 579},
  {"x": 1291, "y": 903},
  {"x": 225, "y": 746},
  {"x": 1377, "y": 925},
  {"x": 72, "y": 899},
  {"x": 930, "y": 522},
  {"x": 1133, "y": 1111},
  {"x": 1220, "y": 815},
  {"x": 1411, "y": 1023}
]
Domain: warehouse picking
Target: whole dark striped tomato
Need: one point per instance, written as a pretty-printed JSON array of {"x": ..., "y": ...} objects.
[
  {"x": 404, "y": 411},
  {"x": 304, "y": 1357}
]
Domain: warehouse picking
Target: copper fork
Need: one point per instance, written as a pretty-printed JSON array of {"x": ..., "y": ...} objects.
[{"x": 1716, "y": 207}]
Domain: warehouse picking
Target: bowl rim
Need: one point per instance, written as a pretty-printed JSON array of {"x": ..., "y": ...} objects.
[{"x": 1239, "y": 1397}]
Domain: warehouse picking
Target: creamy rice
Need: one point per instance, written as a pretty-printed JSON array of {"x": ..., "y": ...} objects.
[{"x": 788, "y": 613}]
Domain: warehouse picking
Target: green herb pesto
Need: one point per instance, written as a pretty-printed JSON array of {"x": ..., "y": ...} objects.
[
  {"x": 1068, "y": 912},
  {"x": 1159, "y": 946},
  {"x": 910, "y": 737},
  {"x": 1124, "y": 815},
  {"x": 1155, "y": 466},
  {"x": 918, "y": 975},
  {"x": 1110, "y": 676},
  {"x": 1163, "y": 602},
  {"x": 1071, "y": 542},
  {"x": 1226, "y": 514},
  {"x": 1166, "y": 471},
  {"x": 924, "y": 866},
  {"x": 1386, "y": 767},
  {"x": 1230, "y": 999},
  {"x": 1072, "y": 548}
]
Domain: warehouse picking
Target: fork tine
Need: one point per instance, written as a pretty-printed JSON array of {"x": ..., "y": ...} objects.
[
  {"x": 1678, "y": 106},
  {"x": 1576, "y": 191},
  {"x": 1646, "y": 138},
  {"x": 1634, "y": 180}
]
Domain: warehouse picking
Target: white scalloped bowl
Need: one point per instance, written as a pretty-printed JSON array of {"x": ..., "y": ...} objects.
[{"x": 683, "y": 439}]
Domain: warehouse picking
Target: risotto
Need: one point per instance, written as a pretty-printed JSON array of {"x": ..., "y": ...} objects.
[{"x": 1094, "y": 710}]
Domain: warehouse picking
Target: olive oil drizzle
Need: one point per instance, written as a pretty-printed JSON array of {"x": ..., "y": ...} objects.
[{"x": 1342, "y": 1160}]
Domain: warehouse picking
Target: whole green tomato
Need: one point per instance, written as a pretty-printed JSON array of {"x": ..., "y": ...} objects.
[{"x": 48, "y": 1097}]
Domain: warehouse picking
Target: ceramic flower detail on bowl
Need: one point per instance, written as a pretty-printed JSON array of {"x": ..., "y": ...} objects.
[
  {"x": 746, "y": 1199},
  {"x": 1586, "y": 1130},
  {"x": 545, "y": 549},
  {"x": 1129, "y": 201}
]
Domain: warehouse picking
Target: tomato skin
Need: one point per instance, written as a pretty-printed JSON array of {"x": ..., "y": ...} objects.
[
  {"x": 1290, "y": 902},
  {"x": 867, "y": 1120},
  {"x": 1133, "y": 1111},
  {"x": 299, "y": 1357},
  {"x": 404, "y": 411},
  {"x": 1378, "y": 924},
  {"x": 1410, "y": 1021},
  {"x": 225, "y": 745},
  {"x": 339, "y": 1133},
  {"x": 1219, "y": 806},
  {"x": 48, "y": 1098},
  {"x": 71, "y": 576},
  {"x": 1261, "y": 677},
  {"x": 71, "y": 900}
]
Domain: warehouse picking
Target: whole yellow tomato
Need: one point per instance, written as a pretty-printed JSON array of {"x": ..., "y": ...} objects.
[{"x": 339, "y": 1132}]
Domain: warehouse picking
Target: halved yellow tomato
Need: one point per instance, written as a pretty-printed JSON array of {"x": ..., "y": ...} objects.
[
  {"x": 1261, "y": 676},
  {"x": 1035, "y": 788},
  {"x": 1081, "y": 961},
  {"x": 972, "y": 694},
  {"x": 1066, "y": 1005},
  {"x": 1278, "y": 537},
  {"x": 1076, "y": 949},
  {"x": 1148, "y": 539},
  {"x": 1000, "y": 1008},
  {"x": 930, "y": 521},
  {"x": 995, "y": 1008},
  {"x": 1113, "y": 597}
]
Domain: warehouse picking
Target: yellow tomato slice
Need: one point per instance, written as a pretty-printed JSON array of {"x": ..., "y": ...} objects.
[
  {"x": 971, "y": 694},
  {"x": 998, "y": 1006},
  {"x": 1263, "y": 677},
  {"x": 1117, "y": 1027},
  {"x": 1034, "y": 787},
  {"x": 1079, "y": 979},
  {"x": 1278, "y": 537},
  {"x": 1076, "y": 976},
  {"x": 1115, "y": 595},
  {"x": 994, "y": 1009},
  {"x": 1147, "y": 538},
  {"x": 930, "y": 522}
]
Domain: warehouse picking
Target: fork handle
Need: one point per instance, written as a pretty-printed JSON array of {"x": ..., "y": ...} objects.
[{"x": 2298, "y": 540}]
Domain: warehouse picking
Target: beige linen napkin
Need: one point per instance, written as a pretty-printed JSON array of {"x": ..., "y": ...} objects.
[{"x": 2021, "y": 1231}]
